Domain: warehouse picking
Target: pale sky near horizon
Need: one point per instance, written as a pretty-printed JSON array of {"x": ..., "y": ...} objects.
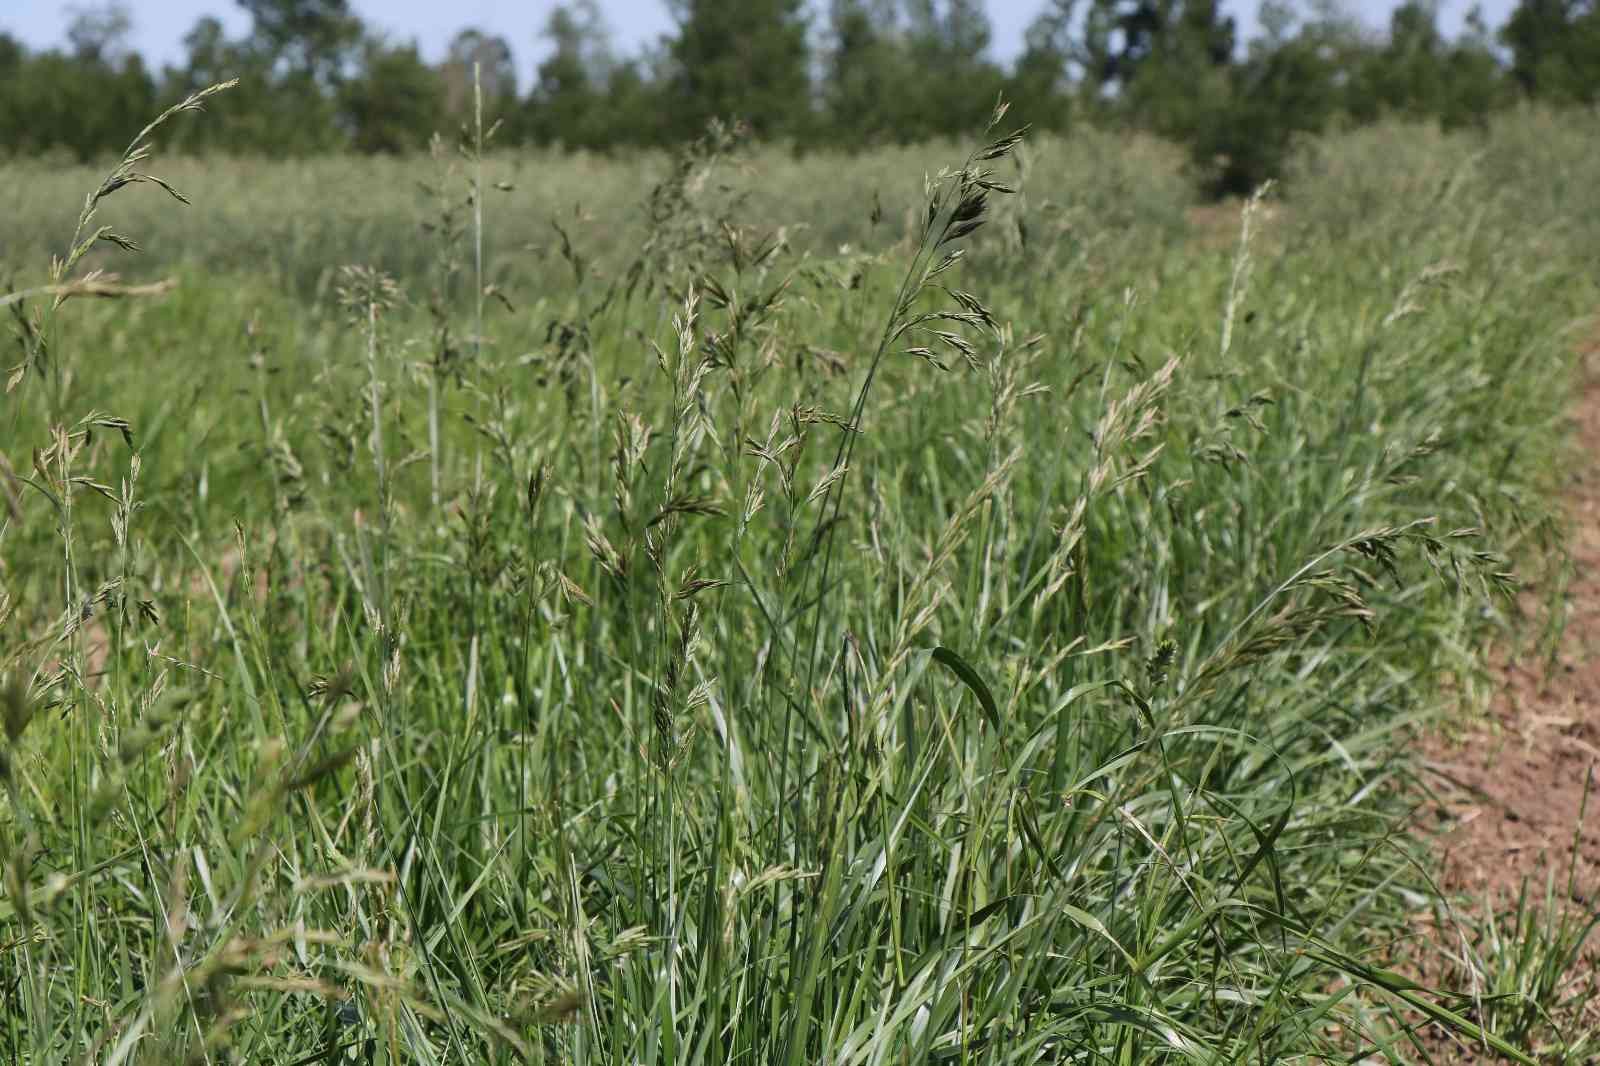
[{"x": 159, "y": 25}]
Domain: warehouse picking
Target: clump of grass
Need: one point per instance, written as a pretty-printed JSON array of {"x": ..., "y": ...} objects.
[
  {"x": 1533, "y": 975},
  {"x": 65, "y": 282},
  {"x": 1528, "y": 970}
]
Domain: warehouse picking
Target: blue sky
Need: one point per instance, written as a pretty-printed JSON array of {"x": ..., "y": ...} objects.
[{"x": 159, "y": 25}]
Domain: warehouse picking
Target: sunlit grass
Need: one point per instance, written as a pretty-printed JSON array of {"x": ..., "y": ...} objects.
[{"x": 724, "y": 682}]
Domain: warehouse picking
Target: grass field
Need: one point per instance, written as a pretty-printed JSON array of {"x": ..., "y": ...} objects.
[{"x": 581, "y": 632}]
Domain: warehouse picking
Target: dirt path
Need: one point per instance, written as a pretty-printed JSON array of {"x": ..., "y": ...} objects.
[
  {"x": 1511, "y": 792},
  {"x": 1515, "y": 789}
]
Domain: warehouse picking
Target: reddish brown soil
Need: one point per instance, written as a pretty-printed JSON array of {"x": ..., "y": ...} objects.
[
  {"x": 1512, "y": 790},
  {"x": 1215, "y": 226},
  {"x": 1515, "y": 786}
]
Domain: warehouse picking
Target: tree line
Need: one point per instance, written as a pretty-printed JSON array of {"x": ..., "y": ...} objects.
[{"x": 849, "y": 74}]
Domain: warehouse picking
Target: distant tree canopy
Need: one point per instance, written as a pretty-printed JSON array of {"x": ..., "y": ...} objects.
[
  {"x": 812, "y": 73},
  {"x": 744, "y": 58},
  {"x": 1555, "y": 49}
]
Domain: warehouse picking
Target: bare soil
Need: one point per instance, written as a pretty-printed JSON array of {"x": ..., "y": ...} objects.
[
  {"x": 1514, "y": 786},
  {"x": 1511, "y": 791}
]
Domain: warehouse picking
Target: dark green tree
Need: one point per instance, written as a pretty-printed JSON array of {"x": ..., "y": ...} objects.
[
  {"x": 497, "y": 74},
  {"x": 1175, "y": 55},
  {"x": 956, "y": 83},
  {"x": 210, "y": 57},
  {"x": 1122, "y": 38},
  {"x": 740, "y": 59},
  {"x": 568, "y": 102},
  {"x": 257, "y": 123},
  {"x": 12, "y": 54},
  {"x": 1418, "y": 73},
  {"x": 1041, "y": 83},
  {"x": 635, "y": 93},
  {"x": 84, "y": 101},
  {"x": 865, "y": 67},
  {"x": 1290, "y": 85},
  {"x": 1555, "y": 49},
  {"x": 300, "y": 53},
  {"x": 395, "y": 101},
  {"x": 99, "y": 35},
  {"x": 318, "y": 39},
  {"x": 1476, "y": 84},
  {"x": 13, "y": 60}
]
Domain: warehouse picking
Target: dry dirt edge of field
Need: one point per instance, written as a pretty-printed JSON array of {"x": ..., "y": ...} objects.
[{"x": 1511, "y": 791}]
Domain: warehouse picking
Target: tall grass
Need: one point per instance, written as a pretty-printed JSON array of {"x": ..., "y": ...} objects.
[{"x": 972, "y": 644}]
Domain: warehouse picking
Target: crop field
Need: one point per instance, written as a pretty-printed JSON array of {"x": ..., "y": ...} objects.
[{"x": 969, "y": 603}]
